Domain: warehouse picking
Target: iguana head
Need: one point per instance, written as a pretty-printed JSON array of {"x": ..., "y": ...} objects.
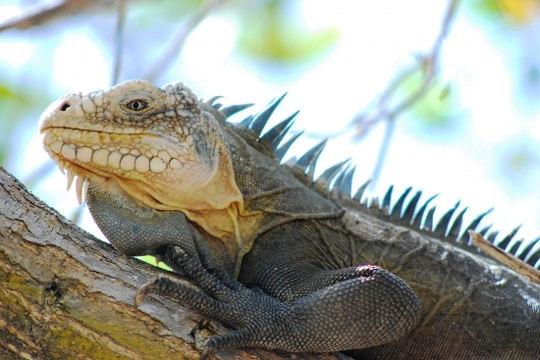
[{"x": 158, "y": 145}]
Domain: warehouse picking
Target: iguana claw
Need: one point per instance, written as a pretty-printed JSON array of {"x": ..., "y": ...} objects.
[
  {"x": 208, "y": 351},
  {"x": 142, "y": 292}
]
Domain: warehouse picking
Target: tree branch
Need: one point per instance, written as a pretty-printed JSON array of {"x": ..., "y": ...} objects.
[
  {"x": 384, "y": 111},
  {"x": 42, "y": 14},
  {"x": 119, "y": 40},
  {"x": 65, "y": 294}
]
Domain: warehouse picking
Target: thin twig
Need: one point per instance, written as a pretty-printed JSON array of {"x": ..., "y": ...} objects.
[
  {"x": 42, "y": 14},
  {"x": 364, "y": 121},
  {"x": 429, "y": 66},
  {"x": 119, "y": 40},
  {"x": 177, "y": 43}
]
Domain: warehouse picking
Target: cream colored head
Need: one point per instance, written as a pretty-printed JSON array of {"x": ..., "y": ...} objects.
[{"x": 158, "y": 145}]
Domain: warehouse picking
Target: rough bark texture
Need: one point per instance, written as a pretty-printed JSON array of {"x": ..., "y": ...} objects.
[{"x": 66, "y": 295}]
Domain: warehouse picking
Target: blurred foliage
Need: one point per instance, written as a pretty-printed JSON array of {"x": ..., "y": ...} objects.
[
  {"x": 518, "y": 12},
  {"x": 437, "y": 109},
  {"x": 520, "y": 163},
  {"x": 271, "y": 33},
  {"x": 518, "y": 19},
  {"x": 13, "y": 103},
  {"x": 145, "y": 13},
  {"x": 519, "y": 160}
]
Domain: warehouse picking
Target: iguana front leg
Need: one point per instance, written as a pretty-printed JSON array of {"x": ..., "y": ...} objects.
[
  {"x": 365, "y": 306},
  {"x": 135, "y": 230},
  {"x": 309, "y": 310}
]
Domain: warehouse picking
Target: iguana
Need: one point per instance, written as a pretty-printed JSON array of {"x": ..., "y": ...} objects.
[{"x": 289, "y": 262}]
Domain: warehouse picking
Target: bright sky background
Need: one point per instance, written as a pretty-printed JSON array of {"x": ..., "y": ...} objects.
[{"x": 377, "y": 39}]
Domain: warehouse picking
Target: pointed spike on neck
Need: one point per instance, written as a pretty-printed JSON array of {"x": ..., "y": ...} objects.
[
  {"x": 492, "y": 237},
  {"x": 360, "y": 192},
  {"x": 310, "y": 171},
  {"x": 282, "y": 150},
  {"x": 506, "y": 240},
  {"x": 273, "y": 137},
  {"x": 428, "y": 223},
  {"x": 345, "y": 184},
  {"x": 212, "y": 100},
  {"x": 397, "y": 209},
  {"x": 329, "y": 174},
  {"x": 387, "y": 199},
  {"x": 259, "y": 122},
  {"x": 233, "y": 109},
  {"x": 443, "y": 224},
  {"x": 312, "y": 155},
  {"x": 336, "y": 187},
  {"x": 474, "y": 224},
  {"x": 534, "y": 260},
  {"x": 456, "y": 226},
  {"x": 485, "y": 230},
  {"x": 309, "y": 160},
  {"x": 512, "y": 249},
  {"x": 524, "y": 252},
  {"x": 246, "y": 122},
  {"x": 417, "y": 220},
  {"x": 532, "y": 256},
  {"x": 411, "y": 208}
]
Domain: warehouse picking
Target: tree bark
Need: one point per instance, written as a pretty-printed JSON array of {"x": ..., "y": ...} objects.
[{"x": 66, "y": 295}]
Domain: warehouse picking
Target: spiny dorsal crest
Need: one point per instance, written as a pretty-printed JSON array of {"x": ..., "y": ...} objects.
[{"x": 336, "y": 184}]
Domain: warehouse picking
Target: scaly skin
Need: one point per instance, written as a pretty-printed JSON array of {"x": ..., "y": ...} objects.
[{"x": 287, "y": 266}]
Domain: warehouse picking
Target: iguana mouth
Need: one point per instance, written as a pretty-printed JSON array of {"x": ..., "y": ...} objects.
[{"x": 86, "y": 154}]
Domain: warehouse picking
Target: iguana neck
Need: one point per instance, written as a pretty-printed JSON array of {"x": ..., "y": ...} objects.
[{"x": 271, "y": 194}]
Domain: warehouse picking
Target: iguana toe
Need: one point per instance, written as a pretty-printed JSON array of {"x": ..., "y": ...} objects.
[{"x": 142, "y": 292}]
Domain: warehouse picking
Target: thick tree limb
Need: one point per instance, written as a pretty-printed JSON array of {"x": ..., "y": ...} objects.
[{"x": 65, "y": 294}]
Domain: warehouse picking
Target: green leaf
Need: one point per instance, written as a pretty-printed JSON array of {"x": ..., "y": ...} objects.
[
  {"x": 436, "y": 109},
  {"x": 6, "y": 93},
  {"x": 152, "y": 261},
  {"x": 509, "y": 12},
  {"x": 14, "y": 105},
  {"x": 269, "y": 33},
  {"x": 145, "y": 13}
]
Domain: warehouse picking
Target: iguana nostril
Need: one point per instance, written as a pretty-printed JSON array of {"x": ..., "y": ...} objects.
[{"x": 65, "y": 106}]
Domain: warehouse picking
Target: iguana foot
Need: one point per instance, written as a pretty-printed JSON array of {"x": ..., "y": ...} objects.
[
  {"x": 252, "y": 312},
  {"x": 364, "y": 311},
  {"x": 202, "y": 324}
]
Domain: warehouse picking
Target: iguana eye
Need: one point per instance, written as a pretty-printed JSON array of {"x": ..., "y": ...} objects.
[{"x": 137, "y": 105}]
